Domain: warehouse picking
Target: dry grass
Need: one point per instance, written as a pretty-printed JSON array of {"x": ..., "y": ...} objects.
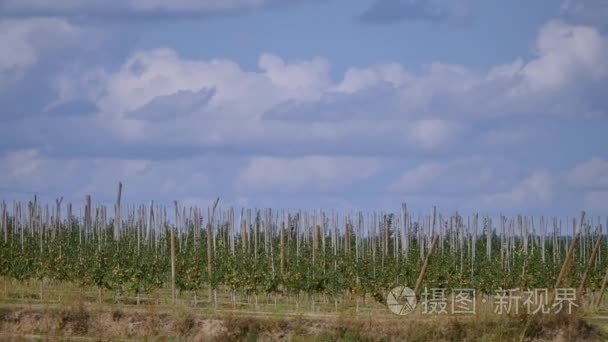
[
  {"x": 117, "y": 324},
  {"x": 67, "y": 313}
]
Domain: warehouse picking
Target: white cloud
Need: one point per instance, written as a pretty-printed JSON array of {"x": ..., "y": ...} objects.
[
  {"x": 567, "y": 61},
  {"x": 32, "y": 171},
  {"x": 458, "y": 177},
  {"x": 566, "y": 54},
  {"x": 22, "y": 164},
  {"x": 295, "y": 102},
  {"x": 474, "y": 183},
  {"x": 22, "y": 42},
  {"x": 501, "y": 185},
  {"x": 161, "y": 72},
  {"x": 152, "y": 84},
  {"x": 596, "y": 202},
  {"x": 582, "y": 186},
  {"x": 304, "y": 80},
  {"x": 159, "y": 99},
  {"x": 319, "y": 173},
  {"x": 591, "y": 174},
  {"x": 168, "y": 108},
  {"x": 419, "y": 178},
  {"x": 509, "y": 136},
  {"x": 432, "y": 134},
  {"x": 357, "y": 79},
  {"x": 534, "y": 191},
  {"x": 593, "y": 12}
]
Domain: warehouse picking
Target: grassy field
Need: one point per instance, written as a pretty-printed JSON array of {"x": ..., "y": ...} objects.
[
  {"x": 112, "y": 322},
  {"x": 67, "y": 311}
]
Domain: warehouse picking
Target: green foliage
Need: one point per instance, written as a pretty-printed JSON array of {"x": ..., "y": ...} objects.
[{"x": 138, "y": 266}]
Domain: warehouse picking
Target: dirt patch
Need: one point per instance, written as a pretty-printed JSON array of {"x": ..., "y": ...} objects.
[
  {"x": 191, "y": 326},
  {"x": 560, "y": 328},
  {"x": 74, "y": 322},
  {"x": 185, "y": 325},
  {"x": 210, "y": 329}
]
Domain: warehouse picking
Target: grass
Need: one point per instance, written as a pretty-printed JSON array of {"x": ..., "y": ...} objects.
[
  {"x": 67, "y": 311},
  {"x": 118, "y": 324}
]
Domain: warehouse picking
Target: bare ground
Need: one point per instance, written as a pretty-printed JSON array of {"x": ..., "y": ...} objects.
[{"x": 82, "y": 322}]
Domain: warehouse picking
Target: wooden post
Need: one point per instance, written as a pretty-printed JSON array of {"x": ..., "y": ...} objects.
[
  {"x": 209, "y": 255},
  {"x": 563, "y": 271},
  {"x": 4, "y": 221},
  {"x": 244, "y": 230},
  {"x": 433, "y": 219},
  {"x": 210, "y": 250},
  {"x": 57, "y": 222},
  {"x": 117, "y": 214},
  {"x": 283, "y": 247},
  {"x": 173, "y": 264},
  {"x": 596, "y": 248},
  {"x": 426, "y": 264},
  {"x": 69, "y": 215},
  {"x": 602, "y": 288},
  {"x": 385, "y": 232},
  {"x": 87, "y": 213},
  {"x": 566, "y": 264},
  {"x": 347, "y": 238},
  {"x": 150, "y": 223},
  {"x": 523, "y": 274},
  {"x": 197, "y": 229}
]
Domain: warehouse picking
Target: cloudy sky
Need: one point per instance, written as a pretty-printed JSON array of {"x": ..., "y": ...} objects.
[{"x": 471, "y": 105}]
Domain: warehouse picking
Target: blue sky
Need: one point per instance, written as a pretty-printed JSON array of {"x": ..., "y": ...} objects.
[{"x": 470, "y": 105}]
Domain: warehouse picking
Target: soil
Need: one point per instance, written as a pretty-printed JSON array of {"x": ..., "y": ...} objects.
[{"x": 94, "y": 323}]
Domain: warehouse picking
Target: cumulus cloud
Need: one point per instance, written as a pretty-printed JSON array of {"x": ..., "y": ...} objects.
[
  {"x": 569, "y": 62},
  {"x": 24, "y": 41},
  {"x": 593, "y": 12},
  {"x": 335, "y": 106},
  {"x": 319, "y": 173},
  {"x": 189, "y": 180},
  {"x": 457, "y": 177},
  {"x": 287, "y": 126},
  {"x": 591, "y": 174},
  {"x": 562, "y": 78},
  {"x": 297, "y": 105},
  {"x": 304, "y": 80},
  {"x": 508, "y": 136},
  {"x": 433, "y": 133},
  {"x": 534, "y": 191},
  {"x": 356, "y": 79},
  {"x": 31, "y": 170},
  {"x": 501, "y": 185},
  {"x": 39, "y": 55},
  {"x": 294, "y": 103},
  {"x": 596, "y": 202},
  {"x": 162, "y": 72},
  {"x": 566, "y": 54},
  {"x": 169, "y": 107}
]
